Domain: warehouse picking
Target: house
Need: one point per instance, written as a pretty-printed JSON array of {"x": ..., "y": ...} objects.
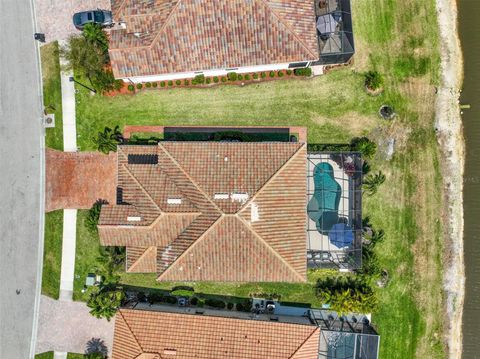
[
  {"x": 171, "y": 332},
  {"x": 174, "y": 39},
  {"x": 211, "y": 211}
]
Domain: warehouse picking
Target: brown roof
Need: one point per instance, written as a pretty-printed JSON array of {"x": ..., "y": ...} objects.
[
  {"x": 168, "y": 36},
  {"x": 260, "y": 237},
  {"x": 159, "y": 335}
]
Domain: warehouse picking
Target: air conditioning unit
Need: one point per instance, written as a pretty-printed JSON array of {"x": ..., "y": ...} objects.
[{"x": 49, "y": 120}]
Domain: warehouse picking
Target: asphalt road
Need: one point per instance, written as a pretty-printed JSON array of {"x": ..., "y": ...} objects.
[{"x": 21, "y": 183}]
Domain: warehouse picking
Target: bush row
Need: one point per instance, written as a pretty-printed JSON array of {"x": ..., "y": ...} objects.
[{"x": 230, "y": 77}]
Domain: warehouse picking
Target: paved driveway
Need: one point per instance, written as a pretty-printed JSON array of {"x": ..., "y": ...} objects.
[
  {"x": 54, "y": 17},
  {"x": 68, "y": 327},
  {"x": 78, "y": 179}
]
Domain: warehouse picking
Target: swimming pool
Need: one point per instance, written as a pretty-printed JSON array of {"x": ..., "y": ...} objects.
[{"x": 323, "y": 206}]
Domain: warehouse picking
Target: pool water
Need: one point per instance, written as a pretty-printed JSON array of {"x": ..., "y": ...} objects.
[{"x": 323, "y": 206}]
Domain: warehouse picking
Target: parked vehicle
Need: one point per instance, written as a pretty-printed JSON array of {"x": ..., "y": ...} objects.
[{"x": 100, "y": 17}]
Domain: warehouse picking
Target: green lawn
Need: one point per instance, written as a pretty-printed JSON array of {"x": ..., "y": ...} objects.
[
  {"x": 85, "y": 256},
  {"x": 334, "y": 107},
  {"x": 47, "y": 355},
  {"x": 52, "y": 254},
  {"x": 75, "y": 356},
  {"x": 52, "y": 93}
]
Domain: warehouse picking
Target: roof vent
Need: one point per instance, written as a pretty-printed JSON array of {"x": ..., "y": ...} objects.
[
  {"x": 239, "y": 197},
  {"x": 134, "y": 219},
  {"x": 254, "y": 216},
  {"x": 172, "y": 352},
  {"x": 221, "y": 196},
  {"x": 174, "y": 201},
  {"x": 226, "y": 159}
]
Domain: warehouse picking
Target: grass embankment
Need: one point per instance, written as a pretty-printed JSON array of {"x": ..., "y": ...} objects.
[
  {"x": 390, "y": 39},
  {"x": 47, "y": 355},
  {"x": 52, "y": 254},
  {"x": 52, "y": 93}
]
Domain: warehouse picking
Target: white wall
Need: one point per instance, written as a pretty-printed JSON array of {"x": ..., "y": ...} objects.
[{"x": 207, "y": 73}]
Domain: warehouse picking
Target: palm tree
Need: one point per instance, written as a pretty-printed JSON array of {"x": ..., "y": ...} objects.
[
  {"x": 105, "y": 303},
  {"x": 372, "y": 182},
  {"x": 94, "y": 34},
  {"x": 108, "y": 140}
]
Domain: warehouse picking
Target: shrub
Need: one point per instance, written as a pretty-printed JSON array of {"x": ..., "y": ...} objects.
[
  {"x": 224, "y": 79},
  {"x": 215, "y": 303},
  {"x": 155, "y": 84},
  {"x": 255, "y": 76},
  {"x": 162, "y": 84},
  {"x": 232, "y": 76},
  {"x": 247, "y": 77},
  {"x": 240, "y": 77},
  {"x": 198, "y": 80},
  {"x": 139, "y": 86},
  {"x": 178, "y": 82},
  {"x": 186, "y": 82},
  {"x": 280, "y": 73},
  {"x": 93, "y": 216},
  {"x": 306, "y": 71},
  {"x": 272, "y": 74},
  {"x": 372, "y": 182},
  {"x": 194, "y": 301},
  {"x": 373, "y": 80},
  {"x": 263, "y": 75},
  {"x": 239, "y": 307},
  {"x": 208, "y": 80},
  {"x": 148, "y": 85},
  {"x": 365, "y": 146},
  {"x": 170, "y": 83},
  {"x": 230, "y": 305},
  {"x": 105, "y": 304},
  {"x": 347, "y": 294},
  {"x": 131, "y": 88},
  {"x": 289, "y": 72},
  {"x": 215, "y": 79},
  {"x": 108, "y": 140}
]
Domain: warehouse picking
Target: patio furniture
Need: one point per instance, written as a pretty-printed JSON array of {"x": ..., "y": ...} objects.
[{"x": 326, "y": 24}]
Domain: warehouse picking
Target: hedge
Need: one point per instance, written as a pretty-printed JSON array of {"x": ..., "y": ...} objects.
[
  {"x": 215, "y": 303},
  {"x": 306, "y": 71}
]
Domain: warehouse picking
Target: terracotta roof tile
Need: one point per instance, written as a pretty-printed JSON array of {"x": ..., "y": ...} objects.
[
  {"x": 204, "y": 337},
  {"x": 265, "y": 243},
  {"x": 145, "y": 262},
  {"x": 182, "y": 36}
]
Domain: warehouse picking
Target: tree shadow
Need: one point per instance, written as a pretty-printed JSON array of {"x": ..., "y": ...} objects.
[{"x": 96, "y": 345}]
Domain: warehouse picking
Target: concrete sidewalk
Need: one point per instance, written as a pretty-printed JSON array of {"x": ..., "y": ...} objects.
[
  {"x": 68, "y": 253},
  {"x": 68, "y": 107},
  {"x": 69, "y": 215}
]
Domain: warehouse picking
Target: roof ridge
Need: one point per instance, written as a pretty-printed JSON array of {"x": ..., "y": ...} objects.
[
  {"x": 120, "y": 8},
  {"x": 284, "y": 23},
  {"x": 275, "y": 175},
  {"x": 199, "y": 239},
  {"x": 167, "y": 20},
  {"x": 154, "y": 223},
  {"x": 270, "y": 247},
  {"x": 305, "y": 341},
  {"x": 135, "y": 264},
  {"x": 131, "y": 331},
  {"x": 190, "y": 179}
]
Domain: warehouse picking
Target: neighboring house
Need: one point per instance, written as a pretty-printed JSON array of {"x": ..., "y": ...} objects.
[
  {"x": 181, "y": 333},
  {"x": 211, "y": 211},
  {"x": 172, "y": 39}
]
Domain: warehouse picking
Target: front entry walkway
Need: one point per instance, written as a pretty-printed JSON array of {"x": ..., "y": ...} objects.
[{"x": 69, "y": 327}]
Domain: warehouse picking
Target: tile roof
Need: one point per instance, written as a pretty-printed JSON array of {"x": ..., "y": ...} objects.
[
  {"x": 168, "y": 36},
  {"x": 259, "y": 235},
  {"x": 159, "y": 335}
]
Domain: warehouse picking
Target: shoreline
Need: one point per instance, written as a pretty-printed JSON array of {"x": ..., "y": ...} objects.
[{"x": 449, "y": 128}]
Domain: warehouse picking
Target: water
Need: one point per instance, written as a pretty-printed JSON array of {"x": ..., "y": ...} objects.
[{"x": 469, "y": 26}]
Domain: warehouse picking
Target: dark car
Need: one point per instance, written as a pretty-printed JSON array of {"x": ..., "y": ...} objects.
[{"x": 100, "y": 17}]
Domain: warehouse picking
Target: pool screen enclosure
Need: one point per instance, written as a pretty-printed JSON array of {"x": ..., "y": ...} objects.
[{"x": 334, "y": 202}]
